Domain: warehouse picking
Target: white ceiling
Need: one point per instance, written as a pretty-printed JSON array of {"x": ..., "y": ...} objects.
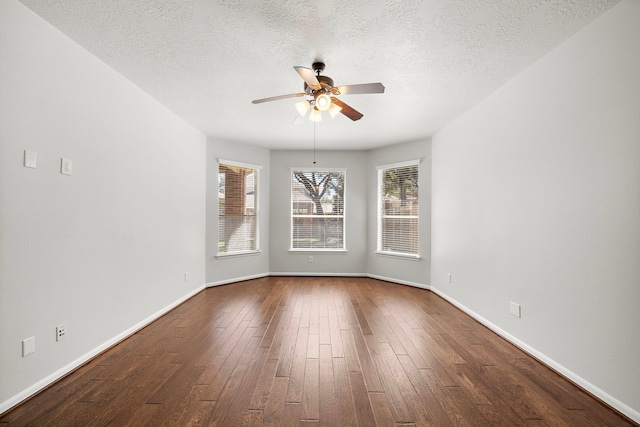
[{"x": 206, "y": 60}]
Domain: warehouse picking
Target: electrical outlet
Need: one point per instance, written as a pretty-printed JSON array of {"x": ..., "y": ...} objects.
[
  {"x": 28, "y": 346},
  {"x": 61, "y": 331},
  {"x": 310, "y": 258},
  {"x": 65, "y": 166},
  {"x": 514, "y": 309}
]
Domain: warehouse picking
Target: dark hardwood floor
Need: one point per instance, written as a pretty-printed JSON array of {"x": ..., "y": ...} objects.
[{"x": 295, "y": 351}]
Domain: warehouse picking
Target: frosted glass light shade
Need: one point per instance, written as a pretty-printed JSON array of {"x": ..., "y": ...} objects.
[
  {"x": 334, "y": 110},
  {"x": 323, "y": 102},
  {"x": 316, "y": 115},
  {"x": 303, "y": 107}
]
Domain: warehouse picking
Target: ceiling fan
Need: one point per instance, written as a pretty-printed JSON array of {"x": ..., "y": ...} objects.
[{"x": 322, "y": 94}]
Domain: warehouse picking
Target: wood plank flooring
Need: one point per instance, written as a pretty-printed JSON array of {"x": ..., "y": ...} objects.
[{"x": 292, "y": 351}]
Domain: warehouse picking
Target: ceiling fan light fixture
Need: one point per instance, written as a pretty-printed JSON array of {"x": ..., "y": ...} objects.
[
  {"x": 316, "y": 115},
  {"x": 323, "y": 102},
  {"x": 334, "y": 110},
  {"x": 319, "y": 90},
  {"x": 303, "y": 107}
]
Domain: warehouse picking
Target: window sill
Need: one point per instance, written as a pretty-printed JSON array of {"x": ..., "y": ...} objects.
[
  {"x": 236, "y": 254},
  {"x": 399, "y": 255},
  {"x": 322, "y": 251}
]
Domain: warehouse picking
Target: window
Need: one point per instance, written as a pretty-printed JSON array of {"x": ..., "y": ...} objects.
[
  {"x": 398, "y": 209},
  {"x": 237, "y": 208},
  {"x": 317, "y": 209}
]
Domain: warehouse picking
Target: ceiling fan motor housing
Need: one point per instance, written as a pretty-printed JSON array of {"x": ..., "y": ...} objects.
[{"x": 325, "y": 82}]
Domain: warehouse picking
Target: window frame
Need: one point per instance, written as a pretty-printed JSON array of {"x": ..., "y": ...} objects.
[
  {"x": 380, "y": 214},
  {"x": 257, "y": 183},
  {"x": 343, "y": 215}
]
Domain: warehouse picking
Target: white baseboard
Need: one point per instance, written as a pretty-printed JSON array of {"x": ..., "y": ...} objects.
[
  {"x": 402, "y": 282},
  {"x": 65, "y": 370},
  {"x": 313, "y": 274},
  {"x": 562, "y": 370},
  {"x": 236, "y": 279}
]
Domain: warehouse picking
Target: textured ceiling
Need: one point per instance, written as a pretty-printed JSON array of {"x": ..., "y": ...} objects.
[{"x": 206, "y": 60}]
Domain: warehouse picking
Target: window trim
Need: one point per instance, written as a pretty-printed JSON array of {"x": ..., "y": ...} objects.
[
  {"x": 414, "y": 257},
  {"x": 415, "y": 162},
  {"x": 379, "y": 168},
  {"x": 238, "y": 164},
  {"x": 344, "y": 207},
  {"x": 257, "y": 250},
  {"x": 239, "y": 253}
]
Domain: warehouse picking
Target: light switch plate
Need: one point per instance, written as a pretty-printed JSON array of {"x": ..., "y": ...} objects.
[
  {"x": 28, "y": 346},
  {"x": 29, "y": 159},
  {"x": 514, "y": 309},
  {"x": 65, "y": 166}
]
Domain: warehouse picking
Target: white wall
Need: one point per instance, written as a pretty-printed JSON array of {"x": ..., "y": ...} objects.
[
  {"x": 282, "y": 261},
  {"x": 402, "y": 270},
  {"x": 233, "y": 268},
  {"x": 536, "y": 200},
  {"x": 102, "y": 250}
]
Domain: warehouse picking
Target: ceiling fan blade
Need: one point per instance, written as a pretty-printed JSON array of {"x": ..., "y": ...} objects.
[
  {"x": 309, "y": 77},
  {"x": 275, "y": 98},
  {"x": 346, "y": 110},
  {"x": 360, "y": 89}
]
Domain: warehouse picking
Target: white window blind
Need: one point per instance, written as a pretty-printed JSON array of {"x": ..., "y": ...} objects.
[
  {"x": 238, "y": 206},
  {"x": 317, "y": 210},
  {"x": 398, "y": 218}
]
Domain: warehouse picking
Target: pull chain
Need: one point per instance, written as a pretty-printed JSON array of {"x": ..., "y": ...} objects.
[{"x": 314, "y": 143}]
